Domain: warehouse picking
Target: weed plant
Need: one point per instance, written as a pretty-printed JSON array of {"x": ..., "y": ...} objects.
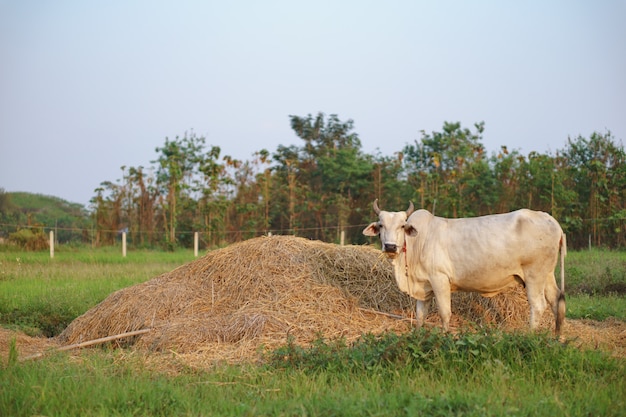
[{"x": 429, "y": 349}]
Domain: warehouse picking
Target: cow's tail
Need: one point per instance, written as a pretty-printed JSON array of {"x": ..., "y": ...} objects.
[{"x": 560, "y": 317}]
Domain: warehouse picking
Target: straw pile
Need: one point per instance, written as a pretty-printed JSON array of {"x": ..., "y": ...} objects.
[
  {"x": 230, "y": 302},
  {"x": 25, "y": 345}
]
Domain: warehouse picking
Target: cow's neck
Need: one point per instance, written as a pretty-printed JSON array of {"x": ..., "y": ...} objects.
[{"x": 401, "y": 270}]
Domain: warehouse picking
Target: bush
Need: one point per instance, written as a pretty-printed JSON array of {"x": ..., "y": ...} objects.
[{"x": 29, "y": 239}]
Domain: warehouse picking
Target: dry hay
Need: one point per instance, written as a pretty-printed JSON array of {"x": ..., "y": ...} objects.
[
  {"x": 258, "y": 293},
  {"x": 608, "y": 335},
  {"x": 25, "y": 345}
]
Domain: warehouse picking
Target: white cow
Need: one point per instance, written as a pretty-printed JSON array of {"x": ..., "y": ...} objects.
[{"x": 436, "y": 256}]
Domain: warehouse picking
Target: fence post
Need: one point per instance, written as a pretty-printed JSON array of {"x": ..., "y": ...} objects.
[
  {"x": 51, "y": 244},
  {"x": 124, "y": 244},
  {"x": 343, "y": 237},
  {"x": 195, "y": 244}
]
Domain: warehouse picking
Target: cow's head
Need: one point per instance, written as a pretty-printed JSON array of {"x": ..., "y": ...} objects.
[{"x": 390, "y": 227}]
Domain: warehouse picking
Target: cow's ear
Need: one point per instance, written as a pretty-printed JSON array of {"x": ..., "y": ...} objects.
[
  {"x": 410, "y": 230},
  {"x": 372, "y": 230}
]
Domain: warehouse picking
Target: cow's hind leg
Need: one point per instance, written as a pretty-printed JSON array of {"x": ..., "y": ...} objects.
[
  {"x": 556, "y": 300},
  {"x": 536, "y": 301}
]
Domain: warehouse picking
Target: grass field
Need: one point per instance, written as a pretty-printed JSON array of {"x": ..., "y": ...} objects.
[
  {"x": 41, "y": 296},
  {"x": 423, "y": 372}
]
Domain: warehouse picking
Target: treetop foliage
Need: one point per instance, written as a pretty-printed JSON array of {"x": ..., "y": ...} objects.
[{"x": 326, "y": 185}]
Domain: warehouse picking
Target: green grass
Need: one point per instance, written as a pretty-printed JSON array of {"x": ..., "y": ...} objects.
[
  {"x": 595, "y": 272},
  {"x": 41, "y": 296},
  {"x": 595, "y": 283},
  {"x": 419, "y": 373},
  {"x": 596, "y": 307}
]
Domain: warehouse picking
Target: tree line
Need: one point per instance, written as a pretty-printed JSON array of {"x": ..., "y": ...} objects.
[{"x": 326, "y": 185}]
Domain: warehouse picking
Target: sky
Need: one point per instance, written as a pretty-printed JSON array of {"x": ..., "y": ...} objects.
[{"x": 87, "y": 87}]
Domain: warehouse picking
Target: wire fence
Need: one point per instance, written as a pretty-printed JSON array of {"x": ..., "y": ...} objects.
[
  {"x": 604, "y": 232},
  {"x": 184, "y": 238}
]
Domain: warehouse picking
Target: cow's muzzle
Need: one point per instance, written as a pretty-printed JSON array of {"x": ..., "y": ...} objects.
[{"x": 391, "y": 249}]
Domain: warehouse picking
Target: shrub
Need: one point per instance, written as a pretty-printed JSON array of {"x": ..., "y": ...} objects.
[{"x": 29, "y": 239}]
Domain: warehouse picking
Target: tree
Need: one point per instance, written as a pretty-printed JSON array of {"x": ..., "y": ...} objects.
[
  {"x": 290, "y": 190},
  {"x": 328, "y": 184},
  {"x": 107, "y": 212},
  {"x": 333, "y": 169},
  {"x": 537, "y": 180},
  {"x": 390, "y": 184},
  {"x": 596, "y": 170},
  {"x": 440, "y": 166},
  {"x": 507, "y": 172},
  {"x": 175, "y": 168},
  {"x": 212, "y": 204},
  {"x": 143, "y": 204},
  {"x": 251, "y": 202}
]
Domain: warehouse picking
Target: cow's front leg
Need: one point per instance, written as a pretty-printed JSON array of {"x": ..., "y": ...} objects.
[
  {"x": 441, "y": 288},
  {"x": 421, "y": 310}
]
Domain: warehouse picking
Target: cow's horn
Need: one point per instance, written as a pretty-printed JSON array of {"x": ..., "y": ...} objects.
[
  {"x": 375, "y": 206},
  {"x": 410, "y": 210}
]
